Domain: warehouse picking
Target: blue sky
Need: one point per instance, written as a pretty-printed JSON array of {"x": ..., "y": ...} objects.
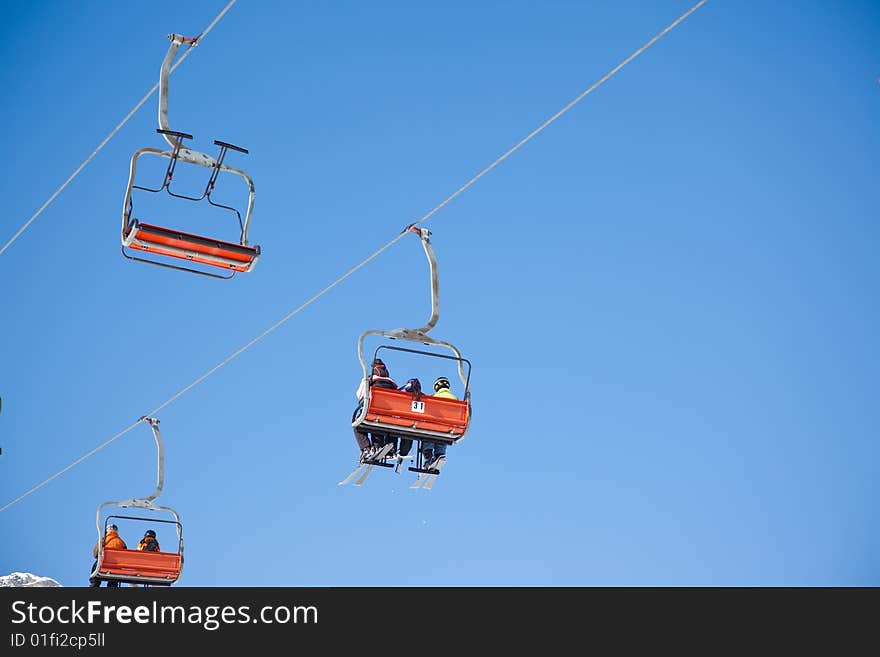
[{"x": 669, "y": 296}]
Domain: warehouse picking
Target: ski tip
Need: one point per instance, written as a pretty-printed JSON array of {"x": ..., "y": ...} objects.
[{"x": 354, "y": 474}]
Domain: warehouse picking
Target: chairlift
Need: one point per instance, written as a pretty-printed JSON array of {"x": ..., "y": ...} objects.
[
  {"x": 134, "y": 566},
  {"x": 412, "y": 415},
  {"x": 150, "y": 238}
]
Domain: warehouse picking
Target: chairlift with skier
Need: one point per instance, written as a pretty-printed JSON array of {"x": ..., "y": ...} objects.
[
  {"x": 411, "y": 415},
  {"x": 134, "y": 566}
]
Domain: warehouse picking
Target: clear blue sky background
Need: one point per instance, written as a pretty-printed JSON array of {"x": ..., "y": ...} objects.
[{"x": 669, "y": 297}]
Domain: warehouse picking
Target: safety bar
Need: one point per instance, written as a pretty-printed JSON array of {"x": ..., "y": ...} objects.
[
  {"x": 192, "y": 157},
  {"x": 217, "y": 142}
]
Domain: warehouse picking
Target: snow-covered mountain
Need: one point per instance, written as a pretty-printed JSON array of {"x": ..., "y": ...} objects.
[{"x": 26, "y": 579}]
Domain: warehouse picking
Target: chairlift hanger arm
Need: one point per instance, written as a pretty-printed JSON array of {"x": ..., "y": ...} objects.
[
  {"x": 175, "y": 138},
  {"x": 425, "y": 235},
  {"x": 147, "y": 502},
  {"x": 160, "y": 464},
  {"x": 164, "y": 73}
]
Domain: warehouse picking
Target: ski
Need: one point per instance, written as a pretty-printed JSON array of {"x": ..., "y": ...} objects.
[
  {"x": 371, "y": 464},
  {"x": 427, "y": 479},
  {"x": 365, "y": 464},
  {"x": 429, "y": 484},
  {"x": 383, "y": 452},
  {"x": 423, "y": 477},
  {"x": 360, "y": 480},
  {"x": 354, "y": 474}
]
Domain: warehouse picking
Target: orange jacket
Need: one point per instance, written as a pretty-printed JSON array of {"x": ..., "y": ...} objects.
[
  {"x": 112, "y": 541},
  {"x": 145, "y": 541}
]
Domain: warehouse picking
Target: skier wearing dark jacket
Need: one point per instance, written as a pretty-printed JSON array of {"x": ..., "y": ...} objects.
[
  {"x": 381, "y": 379},
  {"x": 149, "y": 543}
]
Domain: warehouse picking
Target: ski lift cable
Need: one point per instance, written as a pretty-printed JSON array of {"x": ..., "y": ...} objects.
[
  {"x": 374, "y": 255},
  {"x": 522, "y": 142},
  {"x": 113, "y": 132},
  {"x": 204, "y": 376}
]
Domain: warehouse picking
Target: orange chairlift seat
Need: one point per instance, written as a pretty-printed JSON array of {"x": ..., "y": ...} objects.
[
  {"x": 174, "y": 244},
  {"x": 134, "y": 566},
  {"x": 141, "y": 567},
  {"x": 414, "y": 415},
  {"x": 418, "y": 416}
]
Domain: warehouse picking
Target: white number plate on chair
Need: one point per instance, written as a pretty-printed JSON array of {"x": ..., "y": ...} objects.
[{"x": 418, "y": 407}]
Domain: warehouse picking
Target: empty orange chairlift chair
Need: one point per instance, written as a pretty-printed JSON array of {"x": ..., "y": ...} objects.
[{"x": 149, "y": 238}]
